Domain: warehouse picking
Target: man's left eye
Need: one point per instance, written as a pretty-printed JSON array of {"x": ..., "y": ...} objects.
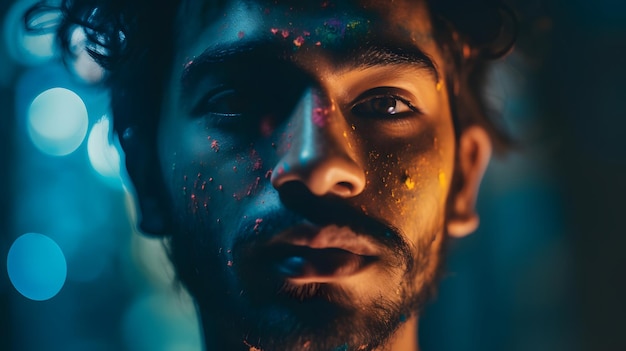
[{"x": 383, "y": 106}]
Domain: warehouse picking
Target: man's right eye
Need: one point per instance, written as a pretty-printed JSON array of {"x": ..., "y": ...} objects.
[{"x": 225, "y": 103}]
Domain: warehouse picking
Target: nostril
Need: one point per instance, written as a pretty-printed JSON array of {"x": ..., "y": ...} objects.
[
  {"x": 343, "y": 189},
  {"x": 346, "y": 185}
]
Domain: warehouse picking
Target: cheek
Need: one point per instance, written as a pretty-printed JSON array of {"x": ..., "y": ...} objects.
[
  {"x": 408, "y": 185},
  {"x": 210, "y": 172}
]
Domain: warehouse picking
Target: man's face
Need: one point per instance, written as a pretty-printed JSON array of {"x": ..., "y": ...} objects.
[{"x": 308, "y": 150}]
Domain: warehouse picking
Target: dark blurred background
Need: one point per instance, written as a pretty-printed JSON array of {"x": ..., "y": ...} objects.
[{"x": 545, "y": 271}]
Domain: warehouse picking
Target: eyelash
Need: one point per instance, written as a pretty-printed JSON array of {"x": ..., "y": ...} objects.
[
  {"x": 362, "y": 101},
  {"x": 211, "y": 99}
]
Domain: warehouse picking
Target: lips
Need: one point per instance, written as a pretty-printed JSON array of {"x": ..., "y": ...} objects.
[{"x": 307, "y": 254}]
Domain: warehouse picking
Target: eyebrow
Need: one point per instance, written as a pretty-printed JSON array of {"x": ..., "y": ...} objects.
[
  {"x": 395, "y": 55},
  {"x": 347, "y": 56}
]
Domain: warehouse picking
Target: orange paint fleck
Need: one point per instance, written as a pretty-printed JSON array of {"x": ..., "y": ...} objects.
[
  {"x": 410, "y": 184},
  {"x": 442, "y": 179}
]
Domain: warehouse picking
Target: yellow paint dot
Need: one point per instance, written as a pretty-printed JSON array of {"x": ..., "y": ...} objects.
[
  {"x": 410, "y": 184},
  {"x": 442, "y": 179}
]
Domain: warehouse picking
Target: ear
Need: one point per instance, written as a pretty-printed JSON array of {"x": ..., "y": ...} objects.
[{"x": 473, "y": 156}]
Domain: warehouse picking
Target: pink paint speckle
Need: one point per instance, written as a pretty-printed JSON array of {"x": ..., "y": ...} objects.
[
  {"x": 285, "y": 33},
  {"x": 229, "y": 263},
  {"x": 267, "y": 126},
  {"x": 252, "y": 188},
  {"x": 257, "y": 163},
  {"x": 257, "y": 223},
  {"x": 220, "y": 187},
  {"x": 298, "y": 41},
  {"x": 240, "y": 35},
  {"x": 320, "y": 116},
  {"x": 268, "y": 174},
  {"x": 215, "y": 146},
  {"x": 274, "y": 30},
  {"x": 319, "y": 43},
  {"x": 306, "y": 33}
]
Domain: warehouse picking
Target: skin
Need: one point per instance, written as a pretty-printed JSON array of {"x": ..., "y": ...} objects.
[{"x": 305, "y": 136}]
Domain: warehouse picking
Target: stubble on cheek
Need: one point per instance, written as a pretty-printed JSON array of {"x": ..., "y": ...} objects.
[{"x": 414, "y": 183}]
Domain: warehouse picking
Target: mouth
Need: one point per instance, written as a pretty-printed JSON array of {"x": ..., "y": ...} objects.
[
  {"x": 306, "y": 254},
  {"x": 302, "y": 264}
]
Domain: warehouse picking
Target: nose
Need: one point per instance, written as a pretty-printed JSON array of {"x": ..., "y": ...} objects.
[{"x": 319, "y": 153}]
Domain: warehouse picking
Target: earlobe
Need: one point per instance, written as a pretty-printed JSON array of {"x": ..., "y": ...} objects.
[{"x": 474, "y": 152}]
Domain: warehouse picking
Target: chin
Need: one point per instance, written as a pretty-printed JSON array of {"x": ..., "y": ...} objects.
[{"x": 280, "y": 314}]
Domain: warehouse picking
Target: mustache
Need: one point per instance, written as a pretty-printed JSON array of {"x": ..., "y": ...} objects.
[{"x": 300, "y": 206}]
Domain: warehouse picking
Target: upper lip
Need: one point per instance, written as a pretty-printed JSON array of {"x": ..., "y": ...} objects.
[{"x": 327, "y": 237}]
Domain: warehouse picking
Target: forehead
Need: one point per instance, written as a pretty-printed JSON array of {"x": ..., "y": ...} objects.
[{"x": 323, "y": 23}]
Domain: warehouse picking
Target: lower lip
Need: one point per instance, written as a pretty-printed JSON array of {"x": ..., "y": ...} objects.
[{"x": 303, "y": 264}]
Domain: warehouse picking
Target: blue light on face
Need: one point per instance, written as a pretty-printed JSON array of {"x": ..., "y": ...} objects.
[
  {"x": 36, "y": 266},
  {"x": 57, "y": 121}
]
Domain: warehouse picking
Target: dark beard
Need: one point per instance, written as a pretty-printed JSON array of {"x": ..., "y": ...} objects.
[
  {"x": 323, "y": 327},
  {"x": 248, "y": 311},
  {"x": 311, "y": 317}
]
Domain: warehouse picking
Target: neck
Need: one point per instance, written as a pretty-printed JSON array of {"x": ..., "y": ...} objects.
[{"x": 405, "y": 338}]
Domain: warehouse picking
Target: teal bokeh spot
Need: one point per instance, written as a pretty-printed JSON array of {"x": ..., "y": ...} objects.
[{"x": 36, "y": 266}]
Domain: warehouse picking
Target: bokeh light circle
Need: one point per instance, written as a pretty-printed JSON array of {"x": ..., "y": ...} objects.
[
  {"x": 57, "y": 121},
  {"x": 36, "y": 266},
  {"x": 103, "y": 156}
]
